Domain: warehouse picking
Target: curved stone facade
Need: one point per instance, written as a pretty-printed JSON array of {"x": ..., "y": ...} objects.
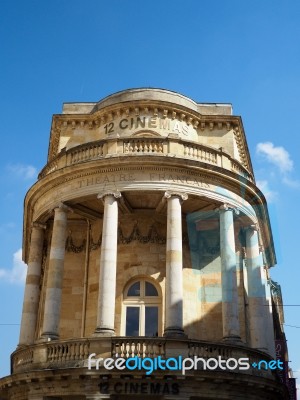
[{"x": 145, "y": 236}]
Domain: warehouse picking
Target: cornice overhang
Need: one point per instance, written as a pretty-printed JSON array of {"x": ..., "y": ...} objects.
[
  {"x": 214, "y": 174},
  {"x": 154, "y": 107}
]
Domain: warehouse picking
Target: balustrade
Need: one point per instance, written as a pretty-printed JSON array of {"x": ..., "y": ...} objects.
[
  {"x": 140, "y": 347},
  {"x": 74, "y": 353},
  {"x": 146, "y": 146}
]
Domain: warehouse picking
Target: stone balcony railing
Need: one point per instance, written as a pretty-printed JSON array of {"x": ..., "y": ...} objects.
[
  {"x": 74, "y": 353},
  {"x": 172, "y": 147}
]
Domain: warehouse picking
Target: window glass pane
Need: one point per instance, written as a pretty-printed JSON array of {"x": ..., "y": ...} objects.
[
  {"x": 150, "y": 290},
  {"x": 132, "y": 321},
  {"x": 151, "y": 321},
  {"x": 134, "y": 289}
]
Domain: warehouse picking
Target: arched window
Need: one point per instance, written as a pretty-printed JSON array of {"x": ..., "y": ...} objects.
[{"x": 141, "y": 309}]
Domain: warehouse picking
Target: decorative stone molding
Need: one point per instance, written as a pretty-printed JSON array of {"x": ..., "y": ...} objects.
[
  {"x": 182, "y": 196},
  {"x": 38, "y": 225},
  {"x": 226, "y": 207},
  {"x": 115, "y": 194},
  {"x": 63, "y": 207}
]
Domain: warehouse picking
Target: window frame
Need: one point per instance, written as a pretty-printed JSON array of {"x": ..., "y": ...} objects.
[{"x": 142, "y": 301}]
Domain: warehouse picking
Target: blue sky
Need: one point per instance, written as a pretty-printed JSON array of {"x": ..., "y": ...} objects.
[{"x": 243, "y": 52}]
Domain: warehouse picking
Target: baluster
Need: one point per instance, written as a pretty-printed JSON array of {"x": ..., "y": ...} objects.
[
  {"x": 81, "y": 355},
  {"x": 128, "y": 347},
  {"x": 85, "y": 350},
  {"x": 123, "y": 350},
  {"x": 146, "y": 346},
  {"x": 71, "y": 351},
  {"x": 135, "y": 348},
  {"x": 151, "y": 349}
]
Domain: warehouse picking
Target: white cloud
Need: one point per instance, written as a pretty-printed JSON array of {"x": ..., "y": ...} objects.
[
  {"x": 264, "y": 187},
  {"x": 17, "y": 274},
  {"x": 276, "y": 155},
  {"x": 280, "y": 157},
  {"x": 23, "y": 171},
  {"x": 291, "y": 182}
]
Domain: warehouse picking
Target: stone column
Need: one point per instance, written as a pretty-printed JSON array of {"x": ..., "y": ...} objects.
[
  {"x": 32, "y": 288},
  {"x": 174, "y": 286},
  {"x": 256, "y": 291},
  {"x": 230, "y": 312},
  {"x": 55, "y": 274},
  {"x": 108, "y": 266}
]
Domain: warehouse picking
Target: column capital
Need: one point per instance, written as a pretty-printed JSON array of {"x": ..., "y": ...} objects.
[
  {"x": 115, "y": 194},
  {"x": 38, "y": 225},
  {"x": 62, "y": 207},
  {"x": 228, "y": 207},
  {"x": 251, "y": 228},
  {"x": 182, "y": 196}
]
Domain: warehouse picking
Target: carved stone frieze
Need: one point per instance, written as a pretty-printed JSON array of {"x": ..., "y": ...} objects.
[
  {"x": 135, "y": 235},
  {"x": 72, "y": 247}
]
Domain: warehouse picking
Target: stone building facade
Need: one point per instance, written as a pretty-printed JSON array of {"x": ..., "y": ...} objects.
[{"x": 146, "y": 237}]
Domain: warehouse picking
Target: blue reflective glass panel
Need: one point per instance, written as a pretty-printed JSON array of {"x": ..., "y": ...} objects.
[
  {"x": 151, "y": 321},
  {"x": 132, "y": 321}
]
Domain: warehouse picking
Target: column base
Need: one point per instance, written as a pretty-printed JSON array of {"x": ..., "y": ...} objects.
[
  {"x": 175, "y": 333},
  {"x": 47, "y": 337},
  {"x": 104, "y": 332},
  {"x": 263, "y": 349},
  {"x": 233, "y": 340}
]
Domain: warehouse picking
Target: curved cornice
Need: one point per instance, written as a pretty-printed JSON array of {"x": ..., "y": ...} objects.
[{"x": 213, "y": 175}]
